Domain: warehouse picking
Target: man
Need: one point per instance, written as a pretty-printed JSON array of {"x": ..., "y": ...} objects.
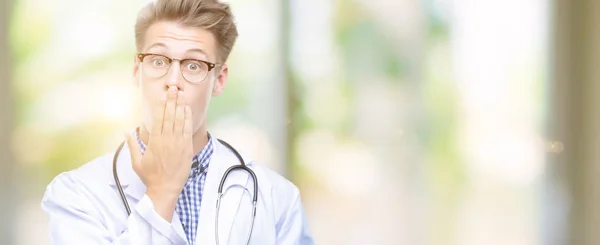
[{"x": 170, "y": 169}]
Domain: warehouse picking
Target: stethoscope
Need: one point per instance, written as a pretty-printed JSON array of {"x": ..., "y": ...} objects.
[{"x": 220, "y": 193}]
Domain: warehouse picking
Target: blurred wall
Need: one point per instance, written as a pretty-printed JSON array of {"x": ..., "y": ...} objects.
[
  {"x": 7, "y": 165},
  {"x": 576, "y": 121}
]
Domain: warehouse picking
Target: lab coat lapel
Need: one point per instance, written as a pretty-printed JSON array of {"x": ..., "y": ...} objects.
[
  {"x": 132, "y": 185},
  {"x": 134, "y": 188},
  {"x": 230, "y": 201}
]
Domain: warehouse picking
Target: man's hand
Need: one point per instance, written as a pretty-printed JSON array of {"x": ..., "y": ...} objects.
[{"x": 165, "y": 166}]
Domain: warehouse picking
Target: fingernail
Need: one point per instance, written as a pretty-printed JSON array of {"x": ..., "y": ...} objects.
[{"x": 172, "y": 89}]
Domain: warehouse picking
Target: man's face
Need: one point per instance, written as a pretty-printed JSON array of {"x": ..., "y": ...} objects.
[{"x": 179, "y": 42}]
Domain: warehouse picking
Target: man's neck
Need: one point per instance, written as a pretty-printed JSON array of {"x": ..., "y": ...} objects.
[{"x": 199, "y": 139}]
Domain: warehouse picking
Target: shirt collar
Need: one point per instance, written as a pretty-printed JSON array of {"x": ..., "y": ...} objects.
[{"x": 202, "y": 157}]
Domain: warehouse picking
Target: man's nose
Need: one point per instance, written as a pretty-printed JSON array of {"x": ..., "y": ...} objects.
[{"x": 174, "y": 77}]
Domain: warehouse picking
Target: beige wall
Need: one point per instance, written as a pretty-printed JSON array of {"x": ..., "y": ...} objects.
[
  {"x": 576, "y": 114},
  {"x": 7, "y": 164}
]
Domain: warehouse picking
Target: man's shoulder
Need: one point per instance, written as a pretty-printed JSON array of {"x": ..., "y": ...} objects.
[
  {"x": 282, "y": 186},
  {"x": 266, "y": 176},
  {"x": 74, "y": 186},
  {"x": 95, "y": 168},
  {"x": 93, "y": 171}
]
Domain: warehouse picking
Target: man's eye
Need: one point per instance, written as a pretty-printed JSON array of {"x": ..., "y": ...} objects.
[
  {"x": 193, "y": 67},
  {"x": 158, "y": 62}
]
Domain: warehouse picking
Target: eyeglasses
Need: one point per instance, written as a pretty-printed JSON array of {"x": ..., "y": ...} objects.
[{"x": 156, "y": 65}]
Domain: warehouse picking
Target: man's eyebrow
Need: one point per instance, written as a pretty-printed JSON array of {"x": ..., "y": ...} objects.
[
  {"x": 162, "y": 45},
  {"x": 194, "y": 50},
  {"x": 197, "y": 50}
]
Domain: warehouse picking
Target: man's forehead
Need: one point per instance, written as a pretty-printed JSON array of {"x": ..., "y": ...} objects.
[
  {"x": 163, "y": 46},
  {"x": 173, "y": 37}
]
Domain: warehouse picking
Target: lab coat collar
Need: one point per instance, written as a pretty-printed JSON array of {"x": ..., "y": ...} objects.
[{"x": 129, "y": 180}]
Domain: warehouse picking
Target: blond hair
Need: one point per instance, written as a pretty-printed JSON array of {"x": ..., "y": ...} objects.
[{"x": 211, "y": 15}]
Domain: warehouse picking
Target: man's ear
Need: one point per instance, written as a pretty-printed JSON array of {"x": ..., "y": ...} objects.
[
  {"x": 136, "y": 69},
  {"x": 221, "y": 81}
]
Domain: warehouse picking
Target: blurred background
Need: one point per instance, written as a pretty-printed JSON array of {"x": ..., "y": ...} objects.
[{"x": 402, "y": 121}]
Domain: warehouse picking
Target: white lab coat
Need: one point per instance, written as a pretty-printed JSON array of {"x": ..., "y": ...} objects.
[{"x": 84, "y": 207}]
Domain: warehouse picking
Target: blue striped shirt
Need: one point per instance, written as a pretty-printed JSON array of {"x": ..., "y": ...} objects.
[{"x": 188, "y": 204}]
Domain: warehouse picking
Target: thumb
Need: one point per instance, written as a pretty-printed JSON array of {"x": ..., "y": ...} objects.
[{"x": 134, "y": 149}]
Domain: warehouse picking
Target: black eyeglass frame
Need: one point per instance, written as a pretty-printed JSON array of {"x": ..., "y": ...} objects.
[{"x": 210, "y": 65}]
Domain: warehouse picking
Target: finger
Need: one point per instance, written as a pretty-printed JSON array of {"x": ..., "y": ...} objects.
[
  {"x": 158, "y": 113},
  {"x": 167, "y": 128},
  {"x": 187, "y": 127},
  {"x": 134, "y": 149},
  {"x": 179, "y": 115}
]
